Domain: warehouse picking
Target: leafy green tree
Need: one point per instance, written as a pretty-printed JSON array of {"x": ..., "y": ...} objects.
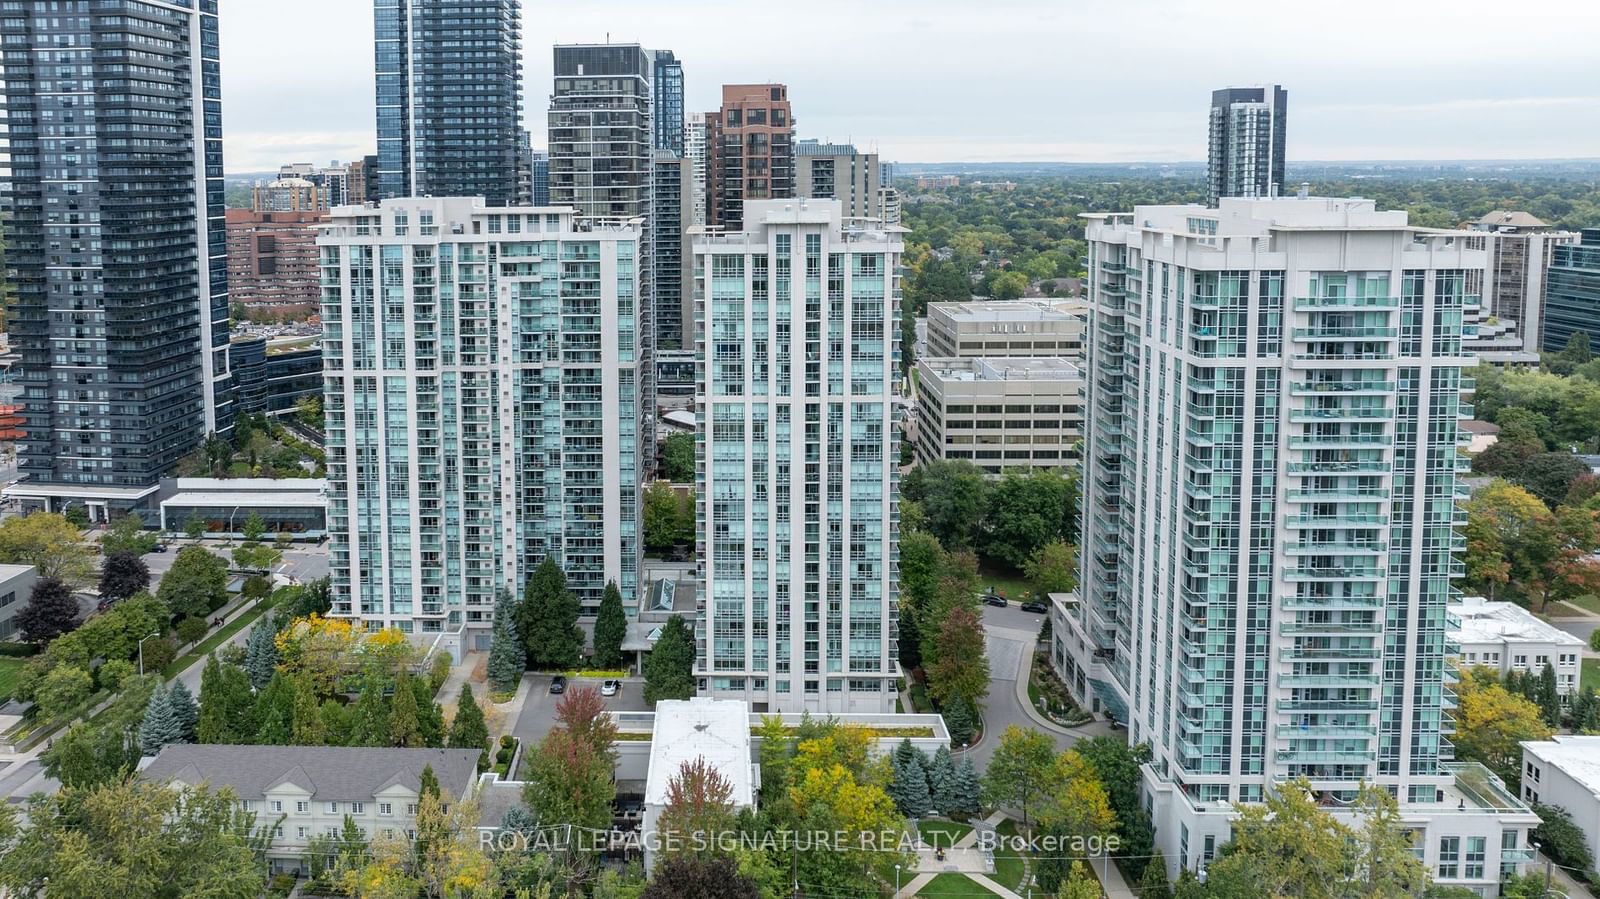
[
  {"x": 122, "y": 575},
  {"x": 88, "y": 755},
  {"x": 610, "y": 626},
  {"x": 507, "y": 655},
  {"x": 668, "y": 517},
  {"x": 126, "y": 534},
  {"x": 194, "y": 527},
  {"x": 1079, "y": 884},
  {"x": 1053, "y": 568},
  {"x": 51, "y": 611},
  {"x": 468, "y": 730},
  {"x": 197, "y": 583},
  {"x": 954, "y": 495},
  {"x": 1116, "y": 765},
  {"x": 226, "y": 705},
  {"x": 1561, "y": 838},
  {"x": 1285, "y": 846},
  {"x": 1020, "y": 769},
  {"x": 677, "y": 458},
  {"x": 548, "y": 620},
  {"x": 1550, "y": 475},
  {"x": 1492, "y": 725},
  {"x": 961, "y": 669},
  {"x": 49, "y": 543},
  {"x": 669, "y": 668},
  {"x": 569, "y": 782},
  {"x": 1153, "y": 884},
  {"x": 1025, "y": 512},
  {"x": 253, "y": 527},
  {"x": 63, "y": 689},
  {"x": 1385, "y": 866},
  {"x": 1008, "y": 285}
]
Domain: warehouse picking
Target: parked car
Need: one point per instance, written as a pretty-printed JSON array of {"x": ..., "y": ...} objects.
[
  {"x": 558, "y": 684},
  {"x": 159, "y": 548},
  {"x": 994, "y": 599},
  {"x": 1035, "y": 606},
  {"x": 610, "y": 688}
]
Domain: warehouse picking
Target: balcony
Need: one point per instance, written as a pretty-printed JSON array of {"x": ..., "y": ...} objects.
[
  {"x": 1353, "y": 332},
  {"x": 1304, "y": 388},
  {"x": 1368, "y": 679},
  {"x": 1368, "y": 466},
  {"x": 1334, "y": 441},
  {"x": 1323, "y": 756},
  {"x": 1350, "y": 413},
  {"x": 1330, "y": 603},
  {"x": 1328, "y": 653},
  {"x": 1310, "y": 304},
  {"x": 1335, "y": 521},
  {"x": 1335, "y": 547},
  {"x": 1338, "y": 494},
  {"x": 1331, "y": 627}
]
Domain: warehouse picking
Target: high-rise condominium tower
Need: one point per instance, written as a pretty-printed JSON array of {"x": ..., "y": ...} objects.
[
  {"x": 483, "y": 382},
  {"x": 668, "y": 85},
  {"x": 694, "y": 147},
  {"x": 449, "y": 98},
  {"x": 798, "y": 322},
  {"x": 1248, "y": 132},
  {"x": 1269, "y": 507},
  {"x": 1505, "y": 327},
  {"x": 115, "y": 231},
  {"x": 1572, "y": 293},
  {"x": 751, "y": 150}
]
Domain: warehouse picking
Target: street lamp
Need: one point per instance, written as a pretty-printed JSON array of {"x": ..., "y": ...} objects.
[
  {"x": 141, "y": 650},
  {"x": 896, "y": 882}
]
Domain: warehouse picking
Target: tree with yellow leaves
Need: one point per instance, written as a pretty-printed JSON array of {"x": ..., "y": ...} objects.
[
  {"x": 325, "y": 650},
  {"x": 1491, "y": 724},
  {"x": 1075, "y": 811},
  {"x": 829, "y": 800},
  {"x": 443, "y": 862}
]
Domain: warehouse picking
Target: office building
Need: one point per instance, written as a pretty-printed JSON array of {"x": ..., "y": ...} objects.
[
  {"x": 1572, "y": 293},
  {"x": 484, "y": 373},
  {"x": 798, "y": 482},
  {"x": 449, "y": 98},
  {"x": 123, "y": 341},
  {"x": 1000, "y": 414},
  {"x": 838, "y": 172},
  {"x": 274, "y": 377},
  {"x": 1504, "y": 328},
  {"x": 673, "y": 188},
  {"x": 272, "y": 258},
  {"x": 1561, "y": 771},
  {"x": 694, "y": 147},
  {"x": 1248, "y": 130},
  {"x": 667, "y": 82},
  {"x": 294, "y": 506},
  {"x": 311, "y": 792},
  {"x": 539, "y": 168},
  {"x": 1269, "y": 486},
  {"x": 750, "y": 143},
  {"x": 1506, "y": 637},
  {"x": 1006, "y": 329},
  {"x": 16, "y": 587}
]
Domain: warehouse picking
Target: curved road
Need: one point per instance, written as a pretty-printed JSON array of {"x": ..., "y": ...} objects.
[{"x": 1011, "y": 634}]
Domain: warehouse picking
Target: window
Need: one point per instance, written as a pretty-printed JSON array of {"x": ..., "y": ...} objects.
[
  {"x": 411, "y": 808},
  {"x": 246, "y": 805},
  {"x": 385, "y": 808},
  {"x": 300, "y": 833},
  {"x": 1449, "y": 856},
  {"x": 1532, "y": 772},
  {"x": 276, "y": 805},
  {"x": 277, "y": 832},
  {"x": 1476, "y": 852},
  {"x": 301, "y": 807},
  {"x": 333, "y": 808},
  {"x": 358, "y": 808}
]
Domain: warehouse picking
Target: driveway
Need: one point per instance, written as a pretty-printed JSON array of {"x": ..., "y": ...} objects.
[
  {"x": 1011, "y": 634},
  {"x": 538, "y": 712},
  {"x": 1578, "y": 627}
]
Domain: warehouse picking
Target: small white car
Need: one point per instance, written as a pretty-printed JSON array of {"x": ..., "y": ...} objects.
[{"x": 610, "y": 688}]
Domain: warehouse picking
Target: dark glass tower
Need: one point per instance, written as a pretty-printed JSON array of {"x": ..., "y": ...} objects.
[
  {"x": 1572, "y": 293},
  {"x": 117, "y": 239},
  {"x": 668, "y": 87},
  {"x": 1248, "y": 133},
  {"x": 449, "y": 98}
]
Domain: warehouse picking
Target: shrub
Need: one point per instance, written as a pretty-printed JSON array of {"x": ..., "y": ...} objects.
[
  {"x": 439, "y": 673},
  {"x": 190, "y": 630},
  {"x": 19, "y": 650},
  {"x": 158, "y": 654}
]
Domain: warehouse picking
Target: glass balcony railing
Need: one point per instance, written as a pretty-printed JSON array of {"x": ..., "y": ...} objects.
[
  {"x": 1328, "y": 680},
  {"x": 1304, "y": 387},
  {"x": 1349, "y": 333},
  {"x": 1324, "y": 755},
  {"x": 1313, "y": 303}
]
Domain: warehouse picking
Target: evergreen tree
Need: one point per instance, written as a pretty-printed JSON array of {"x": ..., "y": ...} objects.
[
  {"x": 507, "y": 654},
  {"x": 430, "y": 718},
  {"x": 226, "y": 705},
  {"x": 610, "y": 626},
  {"x": 1188, "y": 886},
  {"x": 185, "y": 708},
  {"x": 1546, "y": 696},
  {"x": 669, "y": 669},
  {"x": 275, "y": 712},
  {"x": 968, "y": 787},
  {"x": 260, "y": 656},
  {"x": 1154, "y": 883},
  {"x": 430, "y": 782},
  {"x": 1585, "y": 710},
  {"x": 337, "y": 723},
  {"x": 404, "y": 728},
  {"x": 942, "y": 782},
  {"x": 910, "y": 787},
  {"x": 309, "y": 727},
  {"x": 468, "y": 730},
  {"x": 548, "y": 619},
  {"x": 961, "y": 720},
  {"x": 160, "y": 726},
  {"x": 369, "y": 722}
]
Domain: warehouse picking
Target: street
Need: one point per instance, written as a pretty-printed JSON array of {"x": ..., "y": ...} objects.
[{"x": 1011, "y": 635}]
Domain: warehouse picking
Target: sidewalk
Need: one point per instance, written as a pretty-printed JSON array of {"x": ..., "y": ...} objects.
[{"x": 1096, "y": 728}]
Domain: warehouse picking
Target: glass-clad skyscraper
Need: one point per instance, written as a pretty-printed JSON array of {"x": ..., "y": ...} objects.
[
  {"x": 1269, "y": 510},
  {"x": 115, "y": 232},
  {"x": 1572, "y": 293},
  {"x": 797, "y": 322},
  {"x": 1248, "y": 133},
  {"x": 484, "y": 372},
  {"x": 449, "y": 98},
  {"x": 668, "y": 86}
]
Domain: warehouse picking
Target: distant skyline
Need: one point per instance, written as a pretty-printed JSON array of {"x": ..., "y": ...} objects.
[{"x": 1001, "y": 81}]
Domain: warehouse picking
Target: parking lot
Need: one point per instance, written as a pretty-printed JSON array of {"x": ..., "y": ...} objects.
[{"x": 539, "y": 709}]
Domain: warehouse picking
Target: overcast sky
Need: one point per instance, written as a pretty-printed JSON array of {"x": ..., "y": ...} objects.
[{"x": 1001, "y": 80}]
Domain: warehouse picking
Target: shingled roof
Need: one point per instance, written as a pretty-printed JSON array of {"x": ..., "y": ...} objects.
[{"x": 330, "y": 773}]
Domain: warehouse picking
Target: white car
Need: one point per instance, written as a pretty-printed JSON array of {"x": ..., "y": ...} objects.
[{"x": 610, "y": 688}]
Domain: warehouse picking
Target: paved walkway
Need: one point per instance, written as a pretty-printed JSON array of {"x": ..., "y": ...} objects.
[{"x": 1560, "y": 879}]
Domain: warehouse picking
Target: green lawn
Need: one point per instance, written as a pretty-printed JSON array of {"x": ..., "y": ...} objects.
[
  {"x": 1589, "y": 603},
  {"x": 218, "y": 637},
  {"x": 1591, "y": 675},
  {"x": 1009, "y": 867},
  {"x": 9, "y": 669},
  {"x": 943, "y": 834},
  {"x": 1012, "y": 585},
  {"x": 950, "y": 885}
]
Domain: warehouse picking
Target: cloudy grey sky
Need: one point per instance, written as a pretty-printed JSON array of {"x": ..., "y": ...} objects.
[{"x": 1002, "y": 80}]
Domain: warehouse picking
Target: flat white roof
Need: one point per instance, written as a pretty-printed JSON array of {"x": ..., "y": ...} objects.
[
  {"x": 1004, "y": 368},
  {"x": 268, "y": 485},
  {"x": 296, "y": 498},
  {"x": 1483, "y": 621},
  {"x": 717, "y": 730},
  {"x": 1578, "y": 757},
  {"x": 1002, "y": 310}
]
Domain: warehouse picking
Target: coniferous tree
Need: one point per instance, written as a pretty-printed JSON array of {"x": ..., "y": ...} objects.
[
  {"x": 160, "y": 726},
  {"x": 337, "y": 723},
  {"x": 185, "y": 708},
  {"x": 968, "y": 787},
  {"x": 309, "y": 727},
  {"x": 1546, "y": 696},
  {"x": 404, "y": 728},
  {"x": 942, "y": 782},
  {"x": 610, "y": 626},
  {"x": 548, "y": 619},
  {"x": 910, "y": 787},
  {"x": 960, "y": 719},
  {"x": 226, "y": 705},
  {"x": 275, "y": 712},
  {"x": 369, "y": 722},
  {"x": 1154, "y": 883},
  {"x": 260, "y": 656},
  {"x": 507, "y": 654},
  {"x": 429, "y": 782},
  {"x": 669, "y": 669},
  {"x": 468, "y": 730},
  {"x": 430, "y": 718}
]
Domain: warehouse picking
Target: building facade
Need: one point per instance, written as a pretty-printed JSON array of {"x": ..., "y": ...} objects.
[
  {"x": 16, "y": 587},
  {"x": 1572, "y": 293},
  {"x": 1507, "y": 638},
  {"x": 1561, "y": 771},
  {"x": 1274, "y": 391},
  {"x": 484, "y": 373},
  {"x": 274, "y": 379},
  {"x": 288, "y": 195},
  {"x": 539, "y": 174},
  {"x": 119, "y": 253},
  {"x": 667, "y": 82},
  {"x": 694, "y": 147},
  {"x": 750, "y": 143},
  {"x": 798, "y": 326},
  {"x": 1006, "y": 329},
  {"x": 673, "y": 190},
  {"x": 839, "y": 172},
  {"x": 1248, "y": 133},
  {"x": 1000, "y": 414},
  {"x": 1504, "y": 329},
  {"x": 449, "y": 98},
  {"x": 272, "y": 258}
]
